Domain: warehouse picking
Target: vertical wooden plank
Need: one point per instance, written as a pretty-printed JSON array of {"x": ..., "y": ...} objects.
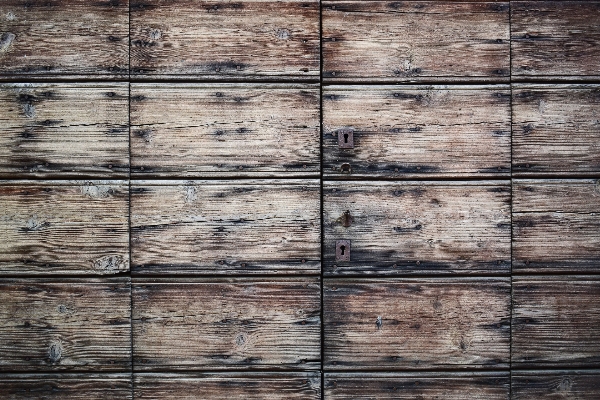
[{"x": 556, "y": 385}]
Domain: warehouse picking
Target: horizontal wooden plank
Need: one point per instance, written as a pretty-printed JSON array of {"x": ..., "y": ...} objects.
[
  {"x": 57, "y": 130},
  {"x": 65, "y": 386},
  {"x": 226, "y": 228},
  {"x": 555, "y": 129},
  {"x": 414, "y": 227},
  {"x": 411, "y": 41},
  {"x": 429, "y": 131},
  {"x": 65, "y": 326},
  {"x": 555, "y": 321},
  {"x": 75, "y": 228},
  {"x": 233, "y": 324},
  {"x": 555, "y": 38},
  {"x": 214, "y": 39},
  {"x": 225, "y": 386},
  {"x": 571, "y": 384},
  {"x": 556, "y": 225},
  {"x": 416, "y": 323},
  {"x": 59, "y": 37},
  {"x": 225, "y": 130},
  {"x": 424, "y": 385}
]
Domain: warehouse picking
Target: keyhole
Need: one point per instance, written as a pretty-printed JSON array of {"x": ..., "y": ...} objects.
[
  {"x": 343, "y": 249},
  {"x": 345, "y": 138}
]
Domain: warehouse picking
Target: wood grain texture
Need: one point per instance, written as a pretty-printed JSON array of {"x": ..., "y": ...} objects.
[
  {"x": 225, "y": 386},
  {"x": 65, "y": 386},
  {"x": 59, "y": 37},
  {"x": 226, "y": 324},
  {"x": 556, "y": 225},
  {"x": 416, "y": 323},
  {"x": 57, "y": 130},
  {"x": 65, "y": 326},
  {"x": 555, "y": 321},
  {"x": 429, "y": 131},
  {"x": 555, "y": 38},
  {"x": 241, "y": 39},
  {"x": 424, "y": 385},
  {"x": 67, "y": 227},
  {"x": 415, "y": 227},
  {"x": 556, "y": 385},
  {"x": 412, "y": 41},
  {"x": 225, "y": 130}
]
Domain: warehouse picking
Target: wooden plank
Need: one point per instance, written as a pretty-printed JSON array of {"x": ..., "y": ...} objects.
[
  {"x": 415, "y": 227},
  {"x": 413, "y": 324},
  {"x": 551, "y": 38},
  {"x": 58, "y": 130},
  {"x": 66, "y": 227},
  {"x": 558, "y": 385},
  {"x": 412, "y": 41},
  {"x": 65, "y": 386},
  {"x": 225, "y": 386},
  {"x": 59, "y": 37},
  {"x": 225, "y": 40},
  {"x": 65, "y": 326},
  {"x": 220, "y": 227},
  {"x": 225, "y": 130},
  {"x": 424, "y": 385},
  {"x": 429, "y": 131},
  {"x": 554, "y": 321},
  {"x": 226, "y": 324},
  {"x": 556, "y": 225}
]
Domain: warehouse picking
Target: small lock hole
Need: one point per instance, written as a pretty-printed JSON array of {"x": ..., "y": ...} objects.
[
  {"x": 345, "y": 138},
  {"x": 343, "y": 249}
]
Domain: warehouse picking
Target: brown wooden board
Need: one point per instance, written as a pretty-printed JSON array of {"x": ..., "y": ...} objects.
[
  {"x": 428, "y": 131},
  {"x": 76, "y": 38},
  {"x": 424, "y": 385},
  {"x": 226, "y": 324},
  {"x": 65, "y": 325},
  {"x": 244, "y": 39},
  {"x": 57, "y": 130},
  {"x": 225, "y": 130},
  {"x": 555, "y": 321},
  {"x": 65, "y": 386},
  {"x": 64, "y": 227},
  {"x": 409, "y": 324},
  {"x": 556, "y": 226},
  {"x": 413, "y": 227},
  {"x": 555, "y": 38},
  {"x": 556, "y": 385},
  {"x": 225, "y": 386},
  {"x": 412, "y": 41}
]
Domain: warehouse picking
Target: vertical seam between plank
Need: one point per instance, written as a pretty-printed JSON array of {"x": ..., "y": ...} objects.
[
  {"x": 322, "y": 373},
  {"x": 129, "y": 186},
  {"x": 511, "y": 201}
]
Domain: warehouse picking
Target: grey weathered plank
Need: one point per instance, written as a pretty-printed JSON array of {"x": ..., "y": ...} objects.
[
  {"x": 411, "y": 41},
  {"x": 424, "y": 385},
  {"x": 556, "y": 225},
  {"x": 225, "y": 386},
  {"x": 64, "y": 227},
  {"x": 226, "y": 324},
  {"x": 555, "y": 38},
  {"x": 60, "y": 37},
  {"x": 65, "y": 386},
  {"x": 555, "y": 321},
  {"x": 557, "y": 385},
  {"x": 242, "y": 39},
  {"x": 65, "y": 325},
  {"x": 412, "y": 324},
  {"x": 429, "y": 131},
  {"x": 415, "y": 227},
  {"x": 225, "y": 130},
  {"x": 57, "y": 130}
]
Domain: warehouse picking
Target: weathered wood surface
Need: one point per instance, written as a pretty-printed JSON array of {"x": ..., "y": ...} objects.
[
  {"x": 58, "y": 130},
  {"x": 64, "y": 227},
  {"x": 424, "y": 385},
  {"x": 226, "y": 324},
  {"x": 411, "y": 41},
  {"x": 556, "y": 225},
  {"x": 65, "y": 326},
  {"x": 58, "y": 37},
  {"x": 225, "y": 130},
  {"x": 65, "y": 386},
  {"x": 416, "y": 323},
  {"x": 429, "y": 131},
  {"x": 555, "y": 38},
  {"x": 556, "y": 385},
  {"x": 415, "y": 227},
  {"x": 556, "y": 129},
  {"x": 555, "y": 321},
  {"x": 225, "y": 386},
  {"x": 242, "y": 39}
]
